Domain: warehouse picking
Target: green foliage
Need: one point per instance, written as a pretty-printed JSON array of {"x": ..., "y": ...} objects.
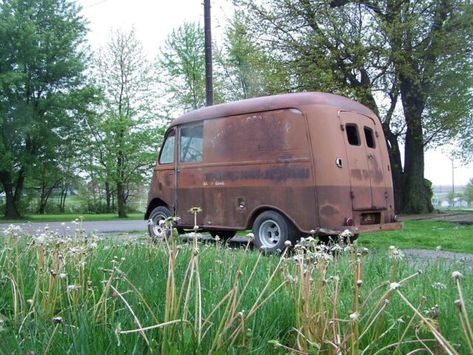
[
  {"x": 42, "y": 92},
  {"x": 243, "y": 68},
  {"x": 181, "y": 67},
  {"x": 125, "y": 128},
  {"x": 468, "y": 192}
]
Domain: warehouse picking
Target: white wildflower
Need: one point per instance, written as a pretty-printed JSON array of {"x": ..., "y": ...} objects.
[
  {"x": 287, "y": 243},
  {"x": 457, "y": 275},
  {"x": 395, "y": 254},
  {"x": 291, "y": 279},
  {"x": 41, "y": 239},
  {"x": 394, "y": 286},
  {"x": 439, "y": 285},
  {"x": 72, "y": 288},
  {"x": 355, "y": 317}
]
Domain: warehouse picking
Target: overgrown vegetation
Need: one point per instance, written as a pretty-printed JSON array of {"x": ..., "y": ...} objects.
[{"x": 82, "y": 294}]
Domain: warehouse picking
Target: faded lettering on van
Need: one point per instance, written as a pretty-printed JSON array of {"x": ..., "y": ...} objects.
[{"x": 273, "y": 174}]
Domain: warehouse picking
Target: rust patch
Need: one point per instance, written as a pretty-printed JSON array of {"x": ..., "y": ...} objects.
[{"x": 329, "y": 210}]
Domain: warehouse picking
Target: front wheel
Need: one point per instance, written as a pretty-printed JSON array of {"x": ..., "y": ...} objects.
[
  {"x": 157, "y": 231},
  {"x": 272, "y": 230}
]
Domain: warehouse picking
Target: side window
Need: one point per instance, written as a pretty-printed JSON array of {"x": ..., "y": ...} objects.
[
  {"x": 191, "y": 143},
  {"x": 370, "y": 142},
  {"x": 352, "y": 134},
  {"x": 167, "y": 152}
]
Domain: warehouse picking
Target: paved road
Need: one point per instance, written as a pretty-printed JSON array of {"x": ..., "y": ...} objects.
[{"x": 88, "y": 227}]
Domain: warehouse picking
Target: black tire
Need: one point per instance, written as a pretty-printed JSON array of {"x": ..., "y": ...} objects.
[
  {"x": 159, "y": 213},
  {"x": 272, "y": 230},
  {"x": 224, "y": 234}
]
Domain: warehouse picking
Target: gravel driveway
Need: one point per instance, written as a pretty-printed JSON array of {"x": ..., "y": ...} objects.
[{"x": 115, "y": 226}]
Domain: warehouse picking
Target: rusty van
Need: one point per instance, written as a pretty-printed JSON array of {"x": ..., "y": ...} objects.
[{"x": 284, "y": 166}]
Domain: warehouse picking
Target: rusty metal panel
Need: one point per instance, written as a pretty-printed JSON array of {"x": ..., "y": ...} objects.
[
  {"x": 257, "y": 160},
  {"x": 365, "y": 164}
]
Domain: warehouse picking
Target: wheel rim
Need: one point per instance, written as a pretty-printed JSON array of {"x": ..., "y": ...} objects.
[
  {"x": 159, "y": 232},
  {"x": 269, "y": 233}
]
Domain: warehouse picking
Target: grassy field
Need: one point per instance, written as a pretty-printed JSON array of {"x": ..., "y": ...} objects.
[
  {"x": 424, "y": 234},
  {"x": 85, "y": 295},
  {"x": 71, "y": 217}
]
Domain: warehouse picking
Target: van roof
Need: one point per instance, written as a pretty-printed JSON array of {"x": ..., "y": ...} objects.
[{"x": 276, "y": 102}]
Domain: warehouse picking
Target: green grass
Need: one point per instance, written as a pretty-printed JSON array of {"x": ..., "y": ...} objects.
[
  {"x": 423, "y": 234},
  {"x": 72, "y": 216},
  {"x": 212, "y": 299}
]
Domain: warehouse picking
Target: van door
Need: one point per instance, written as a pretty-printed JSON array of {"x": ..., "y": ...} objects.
[
  {"x": 190, "y": 173},
  {"x": 166, "y": 171},
  {"x": 368, "y": 187}
]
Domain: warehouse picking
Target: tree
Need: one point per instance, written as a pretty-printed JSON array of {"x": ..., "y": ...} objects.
[
  {"x": 244, "y": 67},
  {"x": 182, "y": 67},
  {"x": 41, "y": 86},
  {"x": 468, "y": 193},
  {"x": 383, "y": 53},
  {"x": 123, "y": 130}
]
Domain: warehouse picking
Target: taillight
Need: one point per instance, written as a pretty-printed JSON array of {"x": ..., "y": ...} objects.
[{"x": 349, "y": 222}]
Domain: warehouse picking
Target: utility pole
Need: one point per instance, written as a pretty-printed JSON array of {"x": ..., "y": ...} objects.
[
  {"x": 453, "y": 181},
  {"x": 209, "y": 91}
]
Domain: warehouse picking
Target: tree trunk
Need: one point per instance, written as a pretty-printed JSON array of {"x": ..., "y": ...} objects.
[
  {"x": 43, "y": 200},
  {"x": 63, "y": 196},
  {"x": 11, "y": 209},
  {"x": 12, "y": 195},
  {"x": 108, "y": 197},
  {"x": 396, "y": 167},
  {"x": 416, "y": 198},
  {"x": 121, "y": 200}
]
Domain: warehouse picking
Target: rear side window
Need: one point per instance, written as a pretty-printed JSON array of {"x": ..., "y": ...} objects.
[
  {"x": 167, "y": 152},
  {"x": 352, "y": 134},
  {"x": 191, "y": 143},
  {"x": 370, "y": 142}
]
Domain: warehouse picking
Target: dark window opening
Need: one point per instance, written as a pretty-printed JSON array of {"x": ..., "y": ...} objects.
[
  {"x": 369, "y": 137},
  {"x": 191, "y": 143},
  {"x": 352, "y": 134}
]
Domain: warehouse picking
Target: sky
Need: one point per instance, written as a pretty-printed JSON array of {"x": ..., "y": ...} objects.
[{"x": 153, "y": 21}]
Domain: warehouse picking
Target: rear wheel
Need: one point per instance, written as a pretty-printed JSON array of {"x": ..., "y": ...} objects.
[
  {"x": 272, "y": 230},
  {"x": 157, "y": 231}
]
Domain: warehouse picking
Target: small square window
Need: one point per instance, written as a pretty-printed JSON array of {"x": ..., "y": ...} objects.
[
  {"x": 370, "y": 142},
  {"x": 352, "y": 134}
]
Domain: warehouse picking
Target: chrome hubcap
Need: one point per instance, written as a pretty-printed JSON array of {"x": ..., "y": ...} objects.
[
  {"x": 269, "y": 233},
  {"x": 159, "y": 231}
]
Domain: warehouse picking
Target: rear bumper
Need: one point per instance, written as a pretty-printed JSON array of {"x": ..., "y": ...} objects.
[{"x": 362, "y": 229}]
